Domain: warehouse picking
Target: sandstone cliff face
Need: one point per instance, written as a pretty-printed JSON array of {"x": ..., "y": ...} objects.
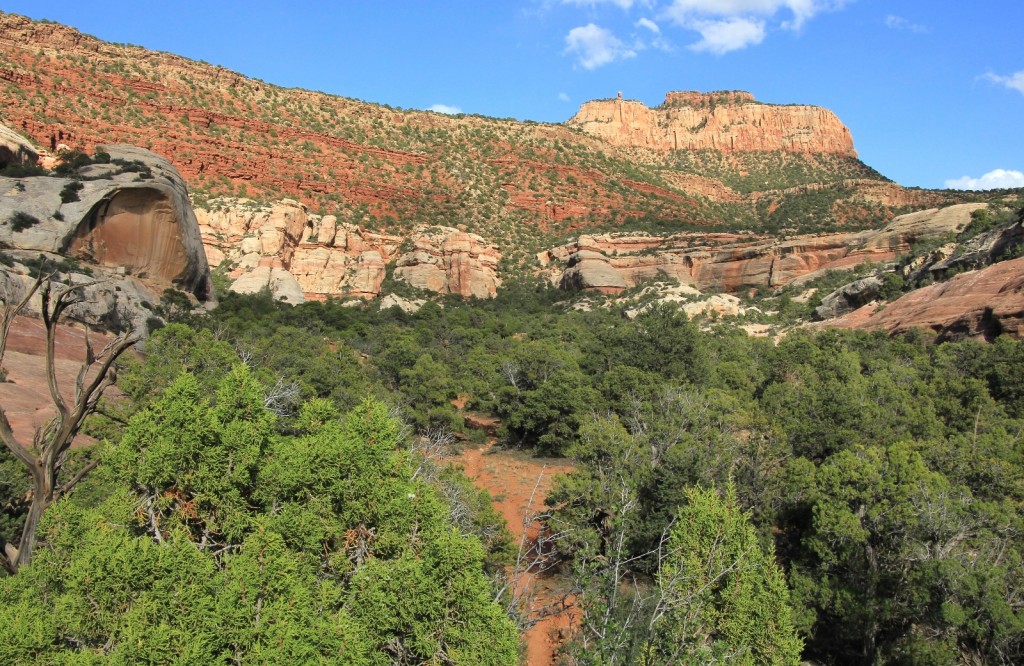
[
  {"x": 142, "y": 226},
  {"x": 372, "y": 165},
  {"x": 14, "y": 149},
  {"x": 720, "y": 121},
  {"x": 611, "y": 263},
  {"x": 300, "y": 256},
  {"x": 449, "y": 261}
]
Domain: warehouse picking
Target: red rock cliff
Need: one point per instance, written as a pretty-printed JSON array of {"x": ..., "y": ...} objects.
[{"x": 725, "y": 121}]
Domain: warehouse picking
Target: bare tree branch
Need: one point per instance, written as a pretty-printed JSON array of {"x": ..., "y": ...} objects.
[{"x": 45, "y": 458}]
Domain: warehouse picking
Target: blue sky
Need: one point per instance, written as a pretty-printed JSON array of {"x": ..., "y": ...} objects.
[{"x": 932, "y": 90}]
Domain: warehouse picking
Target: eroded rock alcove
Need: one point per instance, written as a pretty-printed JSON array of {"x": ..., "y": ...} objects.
[{"x": 136, "y": 230}]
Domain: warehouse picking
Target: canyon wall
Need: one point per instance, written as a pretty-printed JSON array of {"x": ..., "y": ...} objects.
[{"x": 611, "y": 263}]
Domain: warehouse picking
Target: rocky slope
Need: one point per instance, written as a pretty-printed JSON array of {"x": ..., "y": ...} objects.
[
  {"x": 726, "y": 121},
  {"x": 979, "y": 304},
  {"x": 521, "y": 185}
]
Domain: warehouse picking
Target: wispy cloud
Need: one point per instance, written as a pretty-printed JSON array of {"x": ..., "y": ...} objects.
[
  {"x": 731, "y": 25},
  {"x": 996, "y": 179},
  {"x": 563, "y": 97},
  {"x": 445, "y": 108},
  {"x": 651, "y": 36},
  {"x": 722, "y": 26},
  {"x": 894, "y": 22},
  {"x": 594, "y": 46},
  {"x": 721, "y": 37},
  {"x": 1014, "y": 81}
]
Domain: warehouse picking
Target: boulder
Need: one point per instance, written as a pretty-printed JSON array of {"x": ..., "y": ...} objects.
[
  {"x": 143, "y": 226},
  {"x": 409, "y": 305},
  {"x": 125, "y": 230},
  {"x": 849, "y": 297},
  {"x": 279, "y": 282},
  {"x": 590, "y": 270}
]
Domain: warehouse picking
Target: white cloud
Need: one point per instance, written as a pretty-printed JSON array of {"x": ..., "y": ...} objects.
[
  {"x": 649, "y": 24},
  {"x": 899, "y": 23},
  {"x": 720, "y": 37},
  {"x": 445, "y": 108},
  {"x": 651, "y": 37},
  {"x": 563, "y": 97},
  {"x": 729, "y": 25},
  {"x": 1014, "y": 81},
  {"x": 997, "y": 179},
  {"x": 595, "y": 46},
  {"x": 723, "y": 25}
]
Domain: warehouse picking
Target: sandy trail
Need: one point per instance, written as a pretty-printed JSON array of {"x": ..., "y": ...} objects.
[{"x": 518, "y": 484}]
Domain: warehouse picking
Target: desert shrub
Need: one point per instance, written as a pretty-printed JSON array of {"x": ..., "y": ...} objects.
[{"x": 21, "y": 221}]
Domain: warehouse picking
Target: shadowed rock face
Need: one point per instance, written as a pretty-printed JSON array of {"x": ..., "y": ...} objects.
[
  {"x": 137, "y": 230},
  {"x": 14, "y": 149}
]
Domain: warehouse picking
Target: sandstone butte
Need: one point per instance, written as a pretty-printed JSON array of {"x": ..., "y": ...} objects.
[{"x": 726, "y": 121}]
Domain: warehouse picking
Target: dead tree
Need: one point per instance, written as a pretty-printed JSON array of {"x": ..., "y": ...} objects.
[{"x": 47, "y": 454}]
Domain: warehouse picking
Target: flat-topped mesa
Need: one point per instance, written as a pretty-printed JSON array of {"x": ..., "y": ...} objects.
[{"x": 727, "y": 121}]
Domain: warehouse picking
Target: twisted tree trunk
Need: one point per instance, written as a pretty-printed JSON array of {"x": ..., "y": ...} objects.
[{"x": 45, "y": 458}]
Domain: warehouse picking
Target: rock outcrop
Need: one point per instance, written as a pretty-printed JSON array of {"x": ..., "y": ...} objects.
[
  {"x": 15, "y": 149},
  {"x": 448, "y": 261},
  {"x": 979, "y": 304},
  {"x": 131, "y": 215},
  {"x": 850, "y": 297},
  {"x": 610, "y": 263},
  {"x": 726, "y": 121},
  {"x": 128, "y": 219},
  {"x": 300, "y": 256}
]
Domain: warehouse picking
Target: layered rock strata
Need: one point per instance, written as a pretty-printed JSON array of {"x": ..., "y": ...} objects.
[{"x": 610, "y": 263}]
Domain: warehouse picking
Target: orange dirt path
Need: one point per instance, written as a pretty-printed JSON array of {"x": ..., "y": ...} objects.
[{"x": 518, "y": 484}]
